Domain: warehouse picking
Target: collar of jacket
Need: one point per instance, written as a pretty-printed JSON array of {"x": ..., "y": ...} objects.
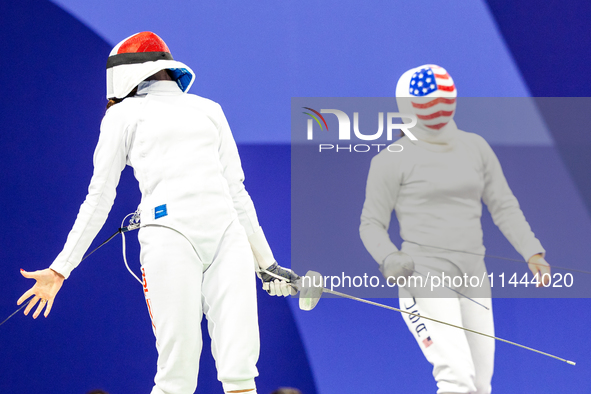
[{"x": 159, "y": 87}]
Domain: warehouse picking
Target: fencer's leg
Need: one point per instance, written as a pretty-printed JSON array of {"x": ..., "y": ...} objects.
[
  {"x": 445, "y": 347},
  {"x": 230, "y": 305},
  {"x": 481, "y": 347},
  {"x": 172, "y": 286}
]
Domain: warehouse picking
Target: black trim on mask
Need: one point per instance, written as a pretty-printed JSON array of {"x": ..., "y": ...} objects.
[{"x": 135, "y": 58}]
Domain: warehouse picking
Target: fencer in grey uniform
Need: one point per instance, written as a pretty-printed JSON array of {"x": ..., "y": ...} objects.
[{"x": 436, "y": 187}]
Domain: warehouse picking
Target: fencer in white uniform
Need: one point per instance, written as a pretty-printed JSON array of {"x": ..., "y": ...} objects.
[
  {"x": 199, "y": 228},
  {"x": 436, "y": 187}
]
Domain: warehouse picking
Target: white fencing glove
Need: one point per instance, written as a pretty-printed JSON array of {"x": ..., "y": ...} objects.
[
  {"x": 275, "y": 278},
  {"x": 396, "y": 265}
]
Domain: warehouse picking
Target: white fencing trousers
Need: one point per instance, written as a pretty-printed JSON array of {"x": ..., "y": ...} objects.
[
  {"x": 463, "y": 362},
  {"x": 179, "y": 290}
]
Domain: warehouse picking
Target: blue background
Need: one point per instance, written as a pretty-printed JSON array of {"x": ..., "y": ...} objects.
[{"x": 253, "y": 58}]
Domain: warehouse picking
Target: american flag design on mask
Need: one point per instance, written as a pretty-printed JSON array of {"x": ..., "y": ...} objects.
[{"x": 433, "y": 96}]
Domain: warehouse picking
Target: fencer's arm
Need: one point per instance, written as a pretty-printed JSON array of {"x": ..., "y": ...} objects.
[
  {"x": 504, "y": 207},
  {"x": 242, "y": 201},
  {"x": 109, "y": 160},
  {"x": 261, "y": 249},
  {"x": 381, "y": 193}
]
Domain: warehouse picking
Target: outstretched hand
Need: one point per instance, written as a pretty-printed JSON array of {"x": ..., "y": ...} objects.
[
  {"x": 48, "y": 283},
  {"x": 539, "y": 266}
]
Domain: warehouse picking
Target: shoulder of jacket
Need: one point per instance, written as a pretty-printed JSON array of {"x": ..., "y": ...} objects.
[
  {"x": 125, "y": 107},
  {"x": 476, "y": 142},
  {"x": 202, "y": 101},
  {"x": 394, "y": 153},
  {"x": 119, "y": 112},
  {"x": 472, "y": 138}
]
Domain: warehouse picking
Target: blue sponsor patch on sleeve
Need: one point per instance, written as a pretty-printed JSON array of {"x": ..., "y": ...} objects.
[{"x": 160, "y": 211}]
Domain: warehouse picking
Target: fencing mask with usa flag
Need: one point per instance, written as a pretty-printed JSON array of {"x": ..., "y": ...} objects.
[{"x": 429, "y": 93}]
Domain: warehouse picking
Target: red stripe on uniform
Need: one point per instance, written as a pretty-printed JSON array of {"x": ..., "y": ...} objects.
[
  {"x": 151, "y": 316},
  {"x": 149, "y": 308}
]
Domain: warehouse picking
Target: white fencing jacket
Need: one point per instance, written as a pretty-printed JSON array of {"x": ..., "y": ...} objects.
[
  {"x": 437, "y": 191},
  {"x": 184, "y": 157}
]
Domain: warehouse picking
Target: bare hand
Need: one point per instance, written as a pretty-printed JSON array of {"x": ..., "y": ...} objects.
[
  {"x": 45, "y": 289},
  {"x": 539, "y": 266}
]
